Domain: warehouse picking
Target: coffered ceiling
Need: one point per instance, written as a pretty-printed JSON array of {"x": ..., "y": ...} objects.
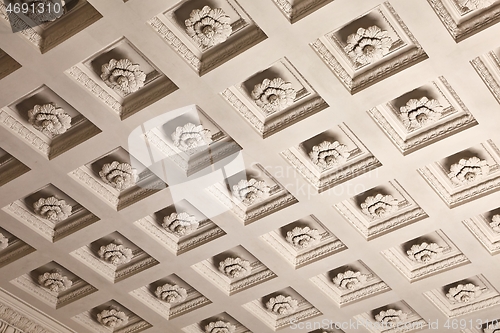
[{"x": 250, "y": 166}]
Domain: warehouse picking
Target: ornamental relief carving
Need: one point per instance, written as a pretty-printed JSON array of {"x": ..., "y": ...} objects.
[
  {"x": 115, "y": 253},
  {"x": 273, "y": 95},
  {"x": 45, "y": 10},
  {"x": 52, "y": 209},
  {"x": 49, "y": 119},
  {"x": 367, "y": 46},
  {"x": 4, "y": 242},
  {"x": 464, "y": 293},
  {"x": 220, "y": 327},
  {"x": 123, "y": 76},
  {"x": 55, "y": 281},
  {"x": 420, "y": 112},
  {"x": 303, "y": 238},
  {"x": 282, "y": 305},
  {"x": 171, "y": 293},
  {"x": 208, "y": 27},
  {"x": 379, "y": 206},
  {"x": 391, "y": 317},
  {"x": 494, "y": 224},
  {"x": 112, "y": 318},
  {"x": 329, "y": 154},
  {"x": 425, "y": 253},
  {"x": 250, "y": 191},
  {"x": 118, "y": 175},
  {"x": 468, "y": 170},
  {"x": 350, "y": 280},
  {"x": 235, "y": 267},
  {"x": 180, "y": 224},
  {"x": 190, "y": 137},
  {"x": 466, "y": 5},
  {"x": 493, "y": 328}
]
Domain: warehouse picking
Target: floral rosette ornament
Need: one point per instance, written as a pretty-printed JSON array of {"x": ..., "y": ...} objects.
[
  {"x": 52, "y": 209},
  {"x": 4, "y": 242},
  {"x": 424, "y": 253},
  {"x": 189, "y": 137},
  {"x": 379, "y": 205},
  {"x": 112, "y": 317},
  {"x": 41, "y": 11},
  {"x": 115, "y": 253},
  {"x": 220, "y": 326},
  {"x": 368, "y": 45},
  {"x": 273, "y": 95},
  {"x": 495, "y": 223},
  {"x": 468, "y": 170},
  {"x": 180, "y": 224},
  {"x": 250, "y": 191},
  {"x": 329, "y": 154},
  {"x": 463, "y": 293},
  {"x": 391, "y": 317},
  {"x": 282, "y": 305},
  {"x": 420, "y": 112},
  {"x": 474, "y": 4},
  {"x": 302, "y": 238},
  {"x": 118, "y": 175},
  {"x": 235, "y": 267},
  {"x": 208, "y": 27},
  {"x": 123, "y": 75},
  {"x": 54, "y": 281},
  {"x": 49, "y": 119},
  {"x": 493, "y": 327},
  {"x": 350, "y": 280},
  {"x": 171, "y": 293}
]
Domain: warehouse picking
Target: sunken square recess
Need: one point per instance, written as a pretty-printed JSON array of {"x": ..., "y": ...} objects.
[
  {"x": 234, "y": 270},
  {"x": 423, "y": 116},
  {"x": 274, "y": 98},
  {"x": 463, "y": 19},
  {"x": 331, "y": 158},
  {"x": 424, "y": 256},
  {"x": 358, "y": 66},
  {"x": 380, "y": 210},
  {"x": 118, "y": 319},
  {"x": 486, "y": 228},
  {"x": 296, "y": 10},
  {"x": 488, "y": 68},
  {"x": 282, "y": 308},
  {"x": 114, "y": 257},
  {"x": 53, "y": 284},
  {"x": 122, "y": 78},
  {"x": 466, "y": 175},
  {"x": 350, "y": 283},
  {"x": 222, "y": 322},
  {"x": 7, "y": 64},
  {"x": 51, "y": 213},
  {"x": 304, "y": 241},
  {"x": 118, "y": 178},
  {"x": 77, "y": 15},
  {"x": 46, "y": 122},
  {"x": 464, "y": 297},
  {"x": 170, "y": 297},
  {"x": 235, "y": 32},
  {"x": 193, "y": 141},
  {"x": 12, "y": 248},
  {"x": 180, "y": 227},
  {"x": 10, "y": 167},
  {"x": 252, "y": 194}
]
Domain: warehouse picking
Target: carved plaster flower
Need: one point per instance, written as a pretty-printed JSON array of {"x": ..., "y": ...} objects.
[
  {"x": 350, "y": 280},
  {"x": 493, "y": 327},
  {"x": 45, "y": 10},
  {"x": 54, "y": 281},
  {"x": 368, "y": 45},
  {"x": 250, "y": 191},
  {"x": 115, "y": 253},
  {"x": 52, "y": 209},
  {"x": 208, "y": 27},
  {"x": 49, "y": 119},
  {"x": 189, "y": 137},
  {"x": 391, "y": 317},
  {"x": 468, "y": 170},
  {"x": 303, "y": 238},
  {"x": 379, "y": 205},
  {"x": 171, "y": 293},
  {"x": 180, "y": 224},
  {"x": 123, "y": 75},
  {"x": 463, "y": 293},
  {"x": 273, "y": 95},
  {"x": 419, "y": 112},
  {"x": 424, "y": 252},
  {"x": 220, "y": 326},
  {"x": 329, "y": 154},
  {"x": 282, "y": 305},
  {"x": 4, "y": 242},
  {"x": 495, "y": 223},
  {"x": 112, "y": 317},
  {"x": 235, "y": 267},
  {"x": 118, "y": 175},
  {"x": 474, "y": 4}
]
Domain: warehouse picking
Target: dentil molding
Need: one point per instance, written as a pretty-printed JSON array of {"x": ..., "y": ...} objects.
[
  {"x": 486, "y": 228},
  {"x": 488, "y": 67},
  {"x": 221, "y": 323}
]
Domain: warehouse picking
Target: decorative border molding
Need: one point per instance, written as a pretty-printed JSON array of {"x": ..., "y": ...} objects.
[
  {"x": 482, "y": 231},
  {"x": 14, "y": 251},
  {"x": 198, "y": 327},
  {"x": 487, "y": 68},
  {"x": 10, "y": 169},
  {"x": 295, "y": 12}
]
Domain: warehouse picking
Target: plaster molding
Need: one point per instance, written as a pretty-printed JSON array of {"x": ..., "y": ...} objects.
[
  {"x": 49, "y": 119},
  {"x": 208, "y": 27},
  {"x": 123, "y": 75},
  {"x": 488, "y": 68},
  {"x": 296, "y": 11},
  {"x": 481, "y": 229},
  {"x": 10, "y": 169}
]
